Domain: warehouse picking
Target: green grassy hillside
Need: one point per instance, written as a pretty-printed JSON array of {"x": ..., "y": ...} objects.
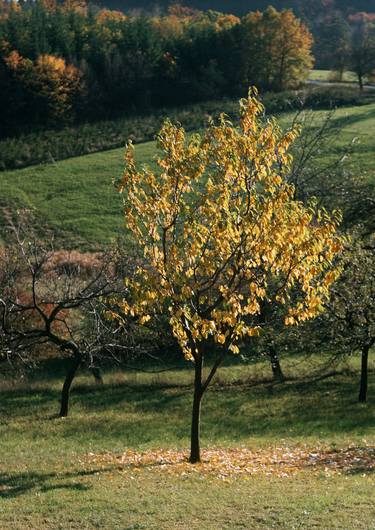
[
  {"x": 301, "y": 455},
  {"x": 76, "y": 197}
]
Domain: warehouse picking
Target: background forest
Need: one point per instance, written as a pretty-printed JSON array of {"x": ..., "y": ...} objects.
[
  {"x": 66, "y": 62},
  {"x": 307, "y": 8}
]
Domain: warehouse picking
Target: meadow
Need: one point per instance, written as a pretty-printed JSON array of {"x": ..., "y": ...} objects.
[
  {"x": 76, "y": 198},
  {"x": 118, "y": 460}
]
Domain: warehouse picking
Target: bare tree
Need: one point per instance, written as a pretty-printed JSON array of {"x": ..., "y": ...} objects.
[
  {"x": 363, "y": 47},
  {"x": 60, "y": 300},
  {"x": 329, "y": 179},
  {"x": 351, "y": 312}
]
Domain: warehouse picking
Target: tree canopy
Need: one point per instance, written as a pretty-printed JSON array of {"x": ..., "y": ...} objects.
[{"x": 221, "y": 233}]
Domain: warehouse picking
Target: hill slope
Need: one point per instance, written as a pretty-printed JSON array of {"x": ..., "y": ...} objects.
[{"x": 76, "y": 197}]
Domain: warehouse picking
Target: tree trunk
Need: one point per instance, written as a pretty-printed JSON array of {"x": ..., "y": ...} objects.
[
  {"x": 195, "y": 453},
  {"x": 360, "y": 82},
  {"x": 364, "y": 370},
  {"x": 275, "y": 365},
  {"x": 70, "y": 374},
  {"x": 281, "y": 73},
  {"x": 97, "y": 375}
]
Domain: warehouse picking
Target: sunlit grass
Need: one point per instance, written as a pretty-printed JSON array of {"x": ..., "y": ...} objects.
[
  {"x": 77, "y": 199},
  {"x": 50, "y": 477},
  {"x": 329, "y": 75}
]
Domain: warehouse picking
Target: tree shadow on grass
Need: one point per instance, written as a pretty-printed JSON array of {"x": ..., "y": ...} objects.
[
  {"x": 18, "y": 403},
  {"x": 340, "y": 122},
  {"x": 138, "y": 414},
  {"x": 15, "y": 484},
  {"x": 322, "y": 408}
]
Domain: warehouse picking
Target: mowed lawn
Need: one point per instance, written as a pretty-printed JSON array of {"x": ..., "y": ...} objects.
[
  {"x": 77, "y": 200},
  {"x": 80, "y": 473}
]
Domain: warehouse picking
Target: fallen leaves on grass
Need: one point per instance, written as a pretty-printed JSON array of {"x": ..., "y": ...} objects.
[{"x": 226, "y": 463}]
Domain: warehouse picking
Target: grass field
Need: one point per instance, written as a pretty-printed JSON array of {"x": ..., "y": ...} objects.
[
  {"x": 77, "y": 200},
  {"x": 69, "y": 474},
  {"x": 328, "y": 75}
]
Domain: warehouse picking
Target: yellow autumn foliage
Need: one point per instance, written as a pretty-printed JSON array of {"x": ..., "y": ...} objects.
[{"x": 221, "y": 233}]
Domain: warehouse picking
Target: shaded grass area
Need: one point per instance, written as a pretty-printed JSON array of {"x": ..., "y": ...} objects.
[
  {"x": 77, "y": 200},
  {"x": 45, "y": 481},
  {"x": 159, "y": 412}
]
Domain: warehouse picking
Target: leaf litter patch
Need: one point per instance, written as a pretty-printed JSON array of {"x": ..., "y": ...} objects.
[{"x": 226, "y": 463}]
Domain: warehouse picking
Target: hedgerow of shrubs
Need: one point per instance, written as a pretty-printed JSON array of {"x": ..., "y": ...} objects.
[{"x": 51, "y": 145}]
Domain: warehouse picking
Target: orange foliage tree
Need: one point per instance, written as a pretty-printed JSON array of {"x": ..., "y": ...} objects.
[
  {"x": 221, "y": 233},
  {"x": 53, "y": 86},
  {"x": 276, "y": 49},
  {"x": 58, "y": 84}
]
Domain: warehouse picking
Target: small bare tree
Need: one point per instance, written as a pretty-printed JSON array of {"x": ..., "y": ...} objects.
[
  {"x": 330, "y": 179},
  {"x": 60, "y": 300},
  {"x": 351, "y": 312},
  {"x": 332, "y": 186}
]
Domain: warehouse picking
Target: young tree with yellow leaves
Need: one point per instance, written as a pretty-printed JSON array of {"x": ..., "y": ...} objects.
[{"x": 221, "y": 233}]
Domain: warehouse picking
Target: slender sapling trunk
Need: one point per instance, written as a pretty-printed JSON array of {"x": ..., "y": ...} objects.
[
  {"x": 97, "y": 375},
  {"x": 360, "y": 82},
  {"x": 364, "y": 375},
  {"x": 195, "y": 455}
]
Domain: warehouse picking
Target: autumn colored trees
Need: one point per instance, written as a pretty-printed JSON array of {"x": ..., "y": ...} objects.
[
  {"x": 221, "y": 235},
  {"x": 51, "y": 88},
  {"x": 227, "y": 240},
  {"x": 232, "y": 251},
  {"x": 276, "y": 50},
  {"x": 60, "y": 61},
  {"x": 115, "y": 62}
]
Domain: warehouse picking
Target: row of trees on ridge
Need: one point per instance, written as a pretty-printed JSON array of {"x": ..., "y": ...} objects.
[{"x": 60, "y": 62}]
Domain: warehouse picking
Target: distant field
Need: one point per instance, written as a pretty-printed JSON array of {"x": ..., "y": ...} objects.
[
  {"x": 70, "y": 474},
  {"x": 329, "y": 75},
  {"x": 76, "y": 198}
]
